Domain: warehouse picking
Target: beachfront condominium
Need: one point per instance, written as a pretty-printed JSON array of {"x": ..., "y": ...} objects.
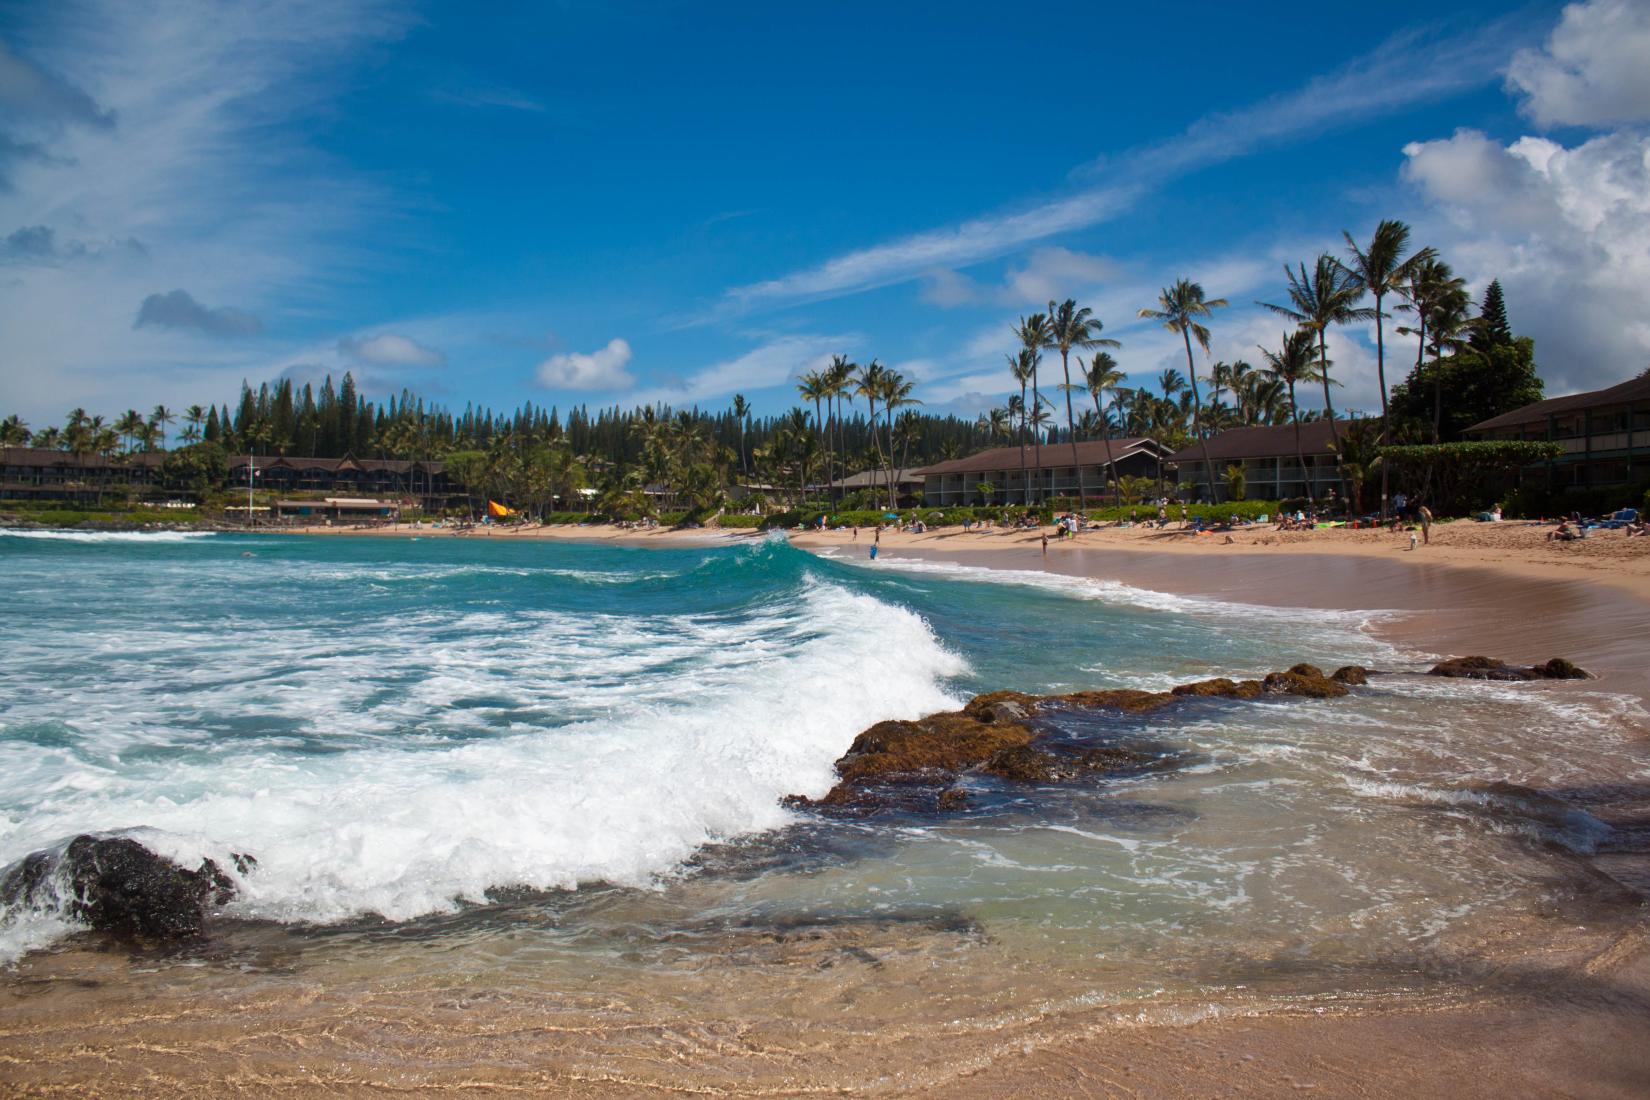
[
  {"x": 1014, "y": 475},
  {"x": 1276, "y": 465}
]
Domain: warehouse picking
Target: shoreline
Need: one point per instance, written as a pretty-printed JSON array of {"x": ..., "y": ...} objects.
[{"x": 1561, "y": 1028}]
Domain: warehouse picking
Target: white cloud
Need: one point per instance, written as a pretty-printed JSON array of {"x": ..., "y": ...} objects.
[
  {"x": 390, "y": 349},
  {"x": 774, "y": 363},
  {"x": 169, "y": 126},
  {"x": 1594, "y": 70},
  {"x": 1414, "y": 67},
  {"x": 602, "y": 369},
  {"x": 1567, "y": 231}
]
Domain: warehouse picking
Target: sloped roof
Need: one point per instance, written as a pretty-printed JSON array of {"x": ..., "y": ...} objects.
[
  {"x": 1091, "y": 452},
  {"x": 1237, "y": 444},
  {"x": 866, "y": 479},
  {"x": 1634, "y": 389}
]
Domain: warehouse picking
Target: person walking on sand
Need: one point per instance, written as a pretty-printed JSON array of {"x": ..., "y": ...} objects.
[
  {"x": 1426, "y": 523},
  {"x": 879, "y": 535},
  {"x": 856, "y": 532}
]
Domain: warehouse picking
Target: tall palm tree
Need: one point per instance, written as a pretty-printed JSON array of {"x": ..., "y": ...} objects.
[
  {"x": 1033, "y": 332},
  {"x": 129, "y": 424},
  {"x": 1293, "y": 363},
  {"x": 815, "y": 388},
  {"x": 742, "y": 413},
  {"x": 868, "y": 384},
  {"x": 1072, "y": 328},
  {"x": 1102, "y": 376},
  {"x": 1380, "y": 269},
  {"x": 1180, "y": 308},
  {"x": 896, "y": 393},
  {"x": 1433, "y": 293},
  {"x": 838, "y": 376},
  {"x": 1327, "y": 296},
  {"x": 162, "y": 417},
  {"x": 1024, "y": 368}
]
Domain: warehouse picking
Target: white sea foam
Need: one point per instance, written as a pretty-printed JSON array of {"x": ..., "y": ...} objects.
[
  {"x": 104, "y": 536},
  {"x": 687, "y": 730}
]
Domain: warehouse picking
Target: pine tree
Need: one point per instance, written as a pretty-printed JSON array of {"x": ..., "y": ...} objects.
[{"x": 1492, "y": 329}]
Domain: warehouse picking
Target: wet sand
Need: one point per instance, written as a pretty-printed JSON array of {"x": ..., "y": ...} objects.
[{"x": 1558, "y": 1002}]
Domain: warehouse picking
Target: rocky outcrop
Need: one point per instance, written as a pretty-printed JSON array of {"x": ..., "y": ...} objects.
[
  {"x": 913, "y": 764},
  {"x": 116, "y": 885},
  {"x": 1488, "y": 668}
]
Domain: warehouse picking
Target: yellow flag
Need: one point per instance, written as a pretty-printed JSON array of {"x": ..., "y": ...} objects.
[{"x": 499, "y": 511}]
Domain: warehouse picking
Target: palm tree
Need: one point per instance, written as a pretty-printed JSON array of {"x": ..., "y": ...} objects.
[
  {"x": 815, "y": 388},
  {"x": 838, "y": 377},
  {"x": 1379, "y": 270},
  {"x": 193, "y": 417},
  {"x": 1033, "y": 332},
  {"x": 868, "y": 384},
  {"x": 14, "y": 432},
  {"x": 742, "y": 413},
  {"x": 1290, "y": 364},
  {"x": 1070, "y": 327},
  {"x": 162, "y": 417},
  {"x": 896, "y": 393},
  {"x": 1024, "y": 368},
  {"x": 128, "y": 424},
  {"x": 1328, "y": 296},
  {"x": 1434, "y": 293},
  {"x": 1101, "y": 376},
  {"x": 1180, "y": 307}
]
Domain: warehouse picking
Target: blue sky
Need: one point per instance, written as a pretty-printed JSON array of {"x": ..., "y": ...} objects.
[{"x": 670, "y": 202}]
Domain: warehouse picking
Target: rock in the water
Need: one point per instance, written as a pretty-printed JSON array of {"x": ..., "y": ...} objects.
[
  {"x": 1488, "y": 668},
  {"x": 116, "y": 885},
  {"x": 1352, "y": 675},
  {"x": 1307, "y": 681}
]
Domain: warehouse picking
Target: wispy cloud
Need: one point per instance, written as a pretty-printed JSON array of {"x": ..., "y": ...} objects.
[
  {"x": 1413, "y": 67},
  {"x": 771, "y": 364}
]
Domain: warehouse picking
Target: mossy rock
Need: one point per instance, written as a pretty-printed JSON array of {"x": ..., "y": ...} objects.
[
  {"x": 1351, "y": 675},
  {"x": 1302, "y": 685}
]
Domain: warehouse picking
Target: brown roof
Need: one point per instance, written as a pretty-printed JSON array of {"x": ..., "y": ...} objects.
[
  {"x": 1634, "y": 389},
  {"x": 1236, "y": 444},
  {"x": 46, "y": 456},
  {"x": 1090, "y": 452},
  {"x": 333, "y": 465}
]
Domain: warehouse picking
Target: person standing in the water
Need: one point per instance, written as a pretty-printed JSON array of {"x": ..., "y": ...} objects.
[
  {"x": 873, "y": 551},
  {"x": 1045, "y": 544}
]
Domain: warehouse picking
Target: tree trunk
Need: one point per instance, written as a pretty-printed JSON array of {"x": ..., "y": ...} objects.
[
  {"x": 1071, "y": 427},
  {"x": 1197, "y": 418},
  {"x": 1300, "y": 455},
  {"x": 1380, "y": 370},
  {"x": 1036, "y": 438},
  {"x": 1329, "y": 408},
  {"x": 1025, "y": 485},
  {"x": 1105, "y": 433}
]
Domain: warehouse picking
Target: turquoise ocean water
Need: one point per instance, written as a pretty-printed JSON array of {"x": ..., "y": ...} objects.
[{"x": 401, "y": 729}]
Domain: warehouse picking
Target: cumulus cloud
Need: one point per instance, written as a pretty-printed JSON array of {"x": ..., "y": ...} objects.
[
  {"x": 179, "y": 310},
  {"x": 1593, "y": 69},
  {"x": 390, "y": 349},
  {"x": 602, "y": 369},
  {"x": 1565, "y": 228},
  {"x": 38, "y": 244}
]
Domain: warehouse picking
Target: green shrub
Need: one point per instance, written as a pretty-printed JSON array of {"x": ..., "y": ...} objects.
[{"x": 739, "y": 522}]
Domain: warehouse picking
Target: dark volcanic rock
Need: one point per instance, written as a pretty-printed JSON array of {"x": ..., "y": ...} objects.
[
  {"x": 1488, "y": 668},
  {"x": 1353, "y": 675},
  {"x": 116, "y": 885},
  {"x": 1307, "y": 681}
]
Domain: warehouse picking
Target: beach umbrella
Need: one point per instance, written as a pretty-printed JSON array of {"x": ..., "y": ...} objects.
[{"x": 890, "y": 515}]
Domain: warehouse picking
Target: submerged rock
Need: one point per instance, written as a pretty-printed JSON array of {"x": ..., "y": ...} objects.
[
  {"x": 1307, "y": 681},
  {"x": 1352, "y": 675},
  {"x": 116, "y": 885},
  {"x": 1488, "y": 668}
]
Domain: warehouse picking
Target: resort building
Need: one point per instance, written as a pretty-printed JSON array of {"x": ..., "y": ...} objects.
[
  {"x": 957, "y": 482},
  {"x": 1271, "y": 461},
  {"x": 1605, "y": 434},
  {"x": 38, "y": 473},
  {"x": 285, "y": 474},
  {"x": 907, "y": 483},
  {"x": 337, "y": 510}
]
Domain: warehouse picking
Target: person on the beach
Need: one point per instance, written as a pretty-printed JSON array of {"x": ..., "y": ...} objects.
[
  {"x": 879, "y": 535},
  {"x": 856, "y": 532},
  {"x": 1162, "y": 515},
  {"x": 1183, "y": 520},
  {"x": 1045, "y": 544},
  {"x": 1425, "y": 515},
  {"x": 873, "y": 551}
]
